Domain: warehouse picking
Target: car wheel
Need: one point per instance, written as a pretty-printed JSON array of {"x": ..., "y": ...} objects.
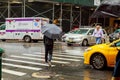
[
  {"x": 98, "y": 61},
  {"x": 27, "y": 39},
  {"x": 85, "y": 42},
  {"x": 3, "y": 40},
  {"x": 68, "y": 44}
]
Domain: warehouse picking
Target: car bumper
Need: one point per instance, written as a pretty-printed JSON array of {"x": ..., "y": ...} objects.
[{"x": 74, "y": 41}]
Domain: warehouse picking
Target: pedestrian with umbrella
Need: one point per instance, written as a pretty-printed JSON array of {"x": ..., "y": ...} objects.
[{"x": 51, "y": 32}]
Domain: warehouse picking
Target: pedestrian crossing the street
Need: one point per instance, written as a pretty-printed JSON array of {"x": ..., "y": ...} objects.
[{"x": 34, "y": 62}]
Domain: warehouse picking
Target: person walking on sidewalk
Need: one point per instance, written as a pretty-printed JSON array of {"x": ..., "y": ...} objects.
[{"x": 49, "y": 43}]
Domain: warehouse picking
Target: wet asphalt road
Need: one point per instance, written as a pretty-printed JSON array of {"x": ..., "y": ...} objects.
[{"x": 19, "y": 55}]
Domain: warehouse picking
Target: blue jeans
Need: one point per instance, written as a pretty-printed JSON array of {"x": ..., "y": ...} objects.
[{"x": 98, "y": 40}]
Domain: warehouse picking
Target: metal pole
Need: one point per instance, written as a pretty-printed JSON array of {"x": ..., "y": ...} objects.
[
  {"x": 71, "y": 17},
  {"x": 104, "y": 21},
  {"x": 80, "y": 16},
  {"x": 24, "y": 8},
  {"x": 53, "y": 15},
  {"x": 8, "y": 9},
  {"x": 97, "y": 20},
  {"x": 61, "y": 15}
]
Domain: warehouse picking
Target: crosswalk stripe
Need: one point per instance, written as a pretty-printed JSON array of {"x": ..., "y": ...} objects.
[
  {"x": 53, "y": 57},
  {"x": 28, "y": 62},
  {"x": 21, "y": 66},
  {"x": 61, "y": 55},
  {"x": 31, "y": 58},
  {"x": 13, "y": 72}
]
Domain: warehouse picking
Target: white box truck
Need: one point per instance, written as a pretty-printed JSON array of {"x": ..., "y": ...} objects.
[{"x": 27, "y": 29}]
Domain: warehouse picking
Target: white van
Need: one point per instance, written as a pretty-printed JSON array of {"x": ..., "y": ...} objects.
[{"x": 27, "y": 29}]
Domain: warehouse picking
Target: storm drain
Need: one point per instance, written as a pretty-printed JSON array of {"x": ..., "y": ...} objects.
[{"x": 43, "y": 75}]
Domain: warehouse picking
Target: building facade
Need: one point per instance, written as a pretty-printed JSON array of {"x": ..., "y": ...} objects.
[{"x": 70, "y": 13}]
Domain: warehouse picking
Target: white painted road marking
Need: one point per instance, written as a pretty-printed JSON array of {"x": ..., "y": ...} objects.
[
  {"x": 21, "y": 66},
  {"x": 31, "y": 58},
  {"x": 61, "y": 55},
  {"x": 13, "y": 72},
  {"x": 33, "y": 55},
  {"x": 28, "y": 62}
]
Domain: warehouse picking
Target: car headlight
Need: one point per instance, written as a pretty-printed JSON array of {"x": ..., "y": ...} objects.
[{"x": 88, "y": 49}]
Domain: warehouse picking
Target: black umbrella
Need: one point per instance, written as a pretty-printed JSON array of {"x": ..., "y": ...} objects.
[
  {"x": 108, "y": 8},
  {"x": 52, "y": 31}
]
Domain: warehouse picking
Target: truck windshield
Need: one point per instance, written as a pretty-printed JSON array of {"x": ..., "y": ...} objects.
[{"x": 2, "y": 27}]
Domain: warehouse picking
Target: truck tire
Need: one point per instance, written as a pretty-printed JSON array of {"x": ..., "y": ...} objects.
[{"x": 27, "y": 39}]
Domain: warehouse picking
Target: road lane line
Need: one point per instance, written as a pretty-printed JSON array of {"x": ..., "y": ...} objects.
[
  {"x": 33, "y": 55},
  {"x": 28, "y": 62},
  {"x": 31, "y": 58},
  {"x": 21, "y": 66},
  {"x": 13, "y": 72},
  {"x": 61, "y": 55}
]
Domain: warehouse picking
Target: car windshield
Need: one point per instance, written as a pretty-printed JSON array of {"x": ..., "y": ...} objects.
[
  {"x": 80, "y": 31},
  {"x": 117, "y": 31}
]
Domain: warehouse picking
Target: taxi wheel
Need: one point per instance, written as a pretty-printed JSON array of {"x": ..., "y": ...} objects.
[
  {"x": 85, "y": 42},
  {"x": 98, "y": 61}
]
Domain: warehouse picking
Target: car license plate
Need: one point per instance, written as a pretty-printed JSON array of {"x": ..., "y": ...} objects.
[{"x": 70, "y": 40}]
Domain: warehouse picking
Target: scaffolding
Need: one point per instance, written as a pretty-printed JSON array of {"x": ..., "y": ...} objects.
[{"x": 69, "y": 15}]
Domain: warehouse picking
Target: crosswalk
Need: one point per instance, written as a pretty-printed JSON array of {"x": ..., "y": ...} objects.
[{"x": 33, "y": 62}]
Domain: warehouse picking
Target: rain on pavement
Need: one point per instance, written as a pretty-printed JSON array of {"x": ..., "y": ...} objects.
[{"x": 21, "y": 60}]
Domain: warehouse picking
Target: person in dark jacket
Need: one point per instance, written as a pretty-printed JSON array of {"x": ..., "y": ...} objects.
[
  {"x": 48, "y": 49},
  {"x": 116, "y": 72}
]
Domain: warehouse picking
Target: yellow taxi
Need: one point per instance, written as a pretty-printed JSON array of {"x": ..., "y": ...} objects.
[{"x": 102, "y": 55}]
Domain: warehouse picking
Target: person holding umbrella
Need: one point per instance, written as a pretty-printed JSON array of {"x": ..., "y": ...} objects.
[{"x": 51, "y": 32}]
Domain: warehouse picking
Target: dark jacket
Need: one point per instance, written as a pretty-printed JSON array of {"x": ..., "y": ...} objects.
[{"x": 48, "y": 41}]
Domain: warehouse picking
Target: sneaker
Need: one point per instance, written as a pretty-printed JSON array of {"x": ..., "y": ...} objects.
[{"x": 49, "y": 63}]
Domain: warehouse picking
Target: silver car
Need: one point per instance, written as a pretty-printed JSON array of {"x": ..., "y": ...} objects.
[{"x": 83, "y": 36}]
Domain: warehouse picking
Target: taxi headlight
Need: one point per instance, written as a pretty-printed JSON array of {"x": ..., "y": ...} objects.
[{"x": 88, "y": 49}]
